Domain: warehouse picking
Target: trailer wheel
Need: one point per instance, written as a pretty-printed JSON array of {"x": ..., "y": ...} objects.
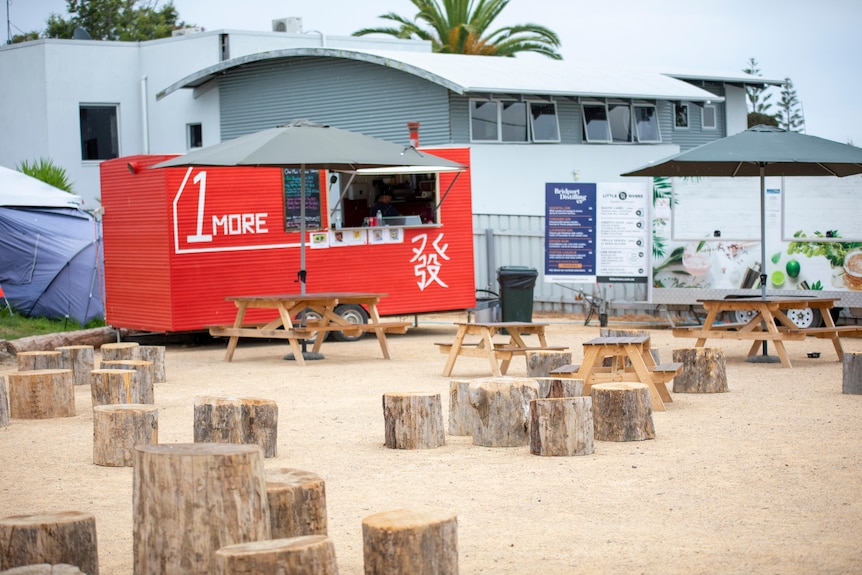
[
  {"x": 354, "y": 314},
  {"x": 804, "y": 318},
  {"x": 305, "y": 315},
  {"x": 743, "y": 315}
]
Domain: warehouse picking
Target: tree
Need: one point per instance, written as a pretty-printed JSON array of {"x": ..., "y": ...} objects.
[
  {"x": 790, "y": 114},
  {"x": 758, "y": 99},
  {"x": 48, "y": 172},
  {"x": 462, "y": 27},
  {"x": 123, "y": 20}
]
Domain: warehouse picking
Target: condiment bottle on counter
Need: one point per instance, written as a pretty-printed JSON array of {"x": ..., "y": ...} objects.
[{"x": 379, "y": 218}]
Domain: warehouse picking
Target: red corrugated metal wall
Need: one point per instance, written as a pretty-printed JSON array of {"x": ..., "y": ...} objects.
[{"x": 158, "y": 278}]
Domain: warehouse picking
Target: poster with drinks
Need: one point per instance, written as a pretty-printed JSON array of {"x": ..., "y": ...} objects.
[{"x": 706, "y": 236}]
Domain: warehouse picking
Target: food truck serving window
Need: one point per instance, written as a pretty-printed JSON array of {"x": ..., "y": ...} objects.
[{"x": 414, "y": 199}]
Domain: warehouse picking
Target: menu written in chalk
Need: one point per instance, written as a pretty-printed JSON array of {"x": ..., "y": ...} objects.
[
  {"x": 570, "y": 232},
  {"x": 292, "y": 195}
]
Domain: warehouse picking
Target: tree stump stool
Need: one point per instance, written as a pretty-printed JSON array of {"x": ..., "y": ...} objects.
[
  {"x": 67, "y": 537},
  {"x": 406, "y": 541},
  {"x": 462, "y": 416},
  {"x": 32, "y": 360},
  {"x": 852, "y": 374},
  {"x": 44, "y": 569},
  {"x": 190, "y": 500},
  {"x": 117, "y": 429},
  {"x": 240, "y": 420},
  {"x": 565, "y": 387},
  {"x": 78, "y": 358},
  {"x": 561, "y": 426},
  {"x": 155, "y": 354},
  {"x": 119, "y": 350},
  {"x": 41, "y": 394},
  {"x": 4, "y": 403},
  {"x": 622, "y": 412},
  {"x": 413, "y": 420},
  {"x": 540, "y": 362},
  {"x": 297, "y": 503},
  {"x": 143, "y": 379},
  {"x": 304, "y": 555},
  {"x": 116, "y": 386},
  {"x": 703, "y": 370},
  {"x": 503, "y": 411}
]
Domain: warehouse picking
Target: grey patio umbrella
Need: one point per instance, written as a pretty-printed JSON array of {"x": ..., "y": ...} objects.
[
  {"x": 761, "y": 151},
  {"x": 306, "y": 145}
]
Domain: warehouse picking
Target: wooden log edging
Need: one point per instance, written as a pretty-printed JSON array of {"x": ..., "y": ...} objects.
[
  {"x": 239, "y": 420},
  {"x": 407, "y": 541},
  {"x": 179, "y": 520},
  {"x": 304, "y": 555},
  {"x": 413, "y": 420},
  {"x": 67, "y": 537},
  {"x": 297, "y": 503}
]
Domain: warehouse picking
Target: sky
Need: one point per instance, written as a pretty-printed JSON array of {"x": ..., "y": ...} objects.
[{"x": 816, "y": 43}]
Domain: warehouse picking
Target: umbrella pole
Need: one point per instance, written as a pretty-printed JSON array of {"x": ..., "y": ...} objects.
[
  {"x": 302, "y": 273},
  {"x": 764, "y": 357}
]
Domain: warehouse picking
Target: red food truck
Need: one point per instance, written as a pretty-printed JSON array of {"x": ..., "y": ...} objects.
[{"x": 178, "y": 241}]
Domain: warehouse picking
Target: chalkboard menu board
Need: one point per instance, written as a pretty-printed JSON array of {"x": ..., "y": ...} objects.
[{"x": 292, "y": 207}]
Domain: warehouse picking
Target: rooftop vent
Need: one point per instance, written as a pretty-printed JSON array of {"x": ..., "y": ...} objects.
[{"x": 292, "y": 25}]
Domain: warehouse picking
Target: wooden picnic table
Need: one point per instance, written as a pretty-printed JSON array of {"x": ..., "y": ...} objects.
[
  {"x": 768, "y": 323},
  {"x": 290, "y": 306},
  {"x": 498, "y": 354},
  {"x": 629, "y": 360}
]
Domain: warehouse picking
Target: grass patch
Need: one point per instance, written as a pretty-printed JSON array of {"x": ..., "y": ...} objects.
[{"x": 17, "y": 326}]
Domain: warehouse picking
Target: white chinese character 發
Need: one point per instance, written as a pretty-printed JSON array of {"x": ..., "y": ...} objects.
[{"x": 427, "y": 267}]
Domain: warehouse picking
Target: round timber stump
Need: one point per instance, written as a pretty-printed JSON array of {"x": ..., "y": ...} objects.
[
  {"x": 119, "y": 350},
  {"x": 44, "y": 569},
  {"x": 143, "y": 379},
  {"x": 462, "y": 416},
  {"x": 240, "y": 420},
  {"x": 703, "y": 370},
  {"x": 41, "y": 394},
  {"x": 190, "y": 500},
  {"x": 297, "y": 503},
  {"x": 304, "y": 555},
  {"x": 406, "y": 541},
  {"x": 116, "y": 386},
  {"x": 503, "y": 411},
  {"x": 852, "y": 375},
  {"x": 541, "y": 362},
  {"x": 31, "y": 360},
  {"x": 67, "y": 537},
  {"x": 156, "y": 355},
  {"x": 413, "y": 420},
  {"x": 78, "y": 358},
  {"x": 562, "y": 426},
  {"x": 622, "y": 411},
  {"x": 117, "y": 429}
]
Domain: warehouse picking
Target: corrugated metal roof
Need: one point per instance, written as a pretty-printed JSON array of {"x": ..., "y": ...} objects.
[
  {"x": 714, "y": 76},
  {"x": 494, "y": 75}
]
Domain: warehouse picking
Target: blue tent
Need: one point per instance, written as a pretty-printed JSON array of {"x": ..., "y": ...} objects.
[{"x": 50, "y": 251}]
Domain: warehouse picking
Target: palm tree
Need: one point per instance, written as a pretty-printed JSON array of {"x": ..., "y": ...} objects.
[{"x": 461, "y": 27}]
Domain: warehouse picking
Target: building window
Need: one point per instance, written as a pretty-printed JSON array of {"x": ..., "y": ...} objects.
[
  {"x": 646, "y": 123},
  {"x": 596, "y": 125},
  {"x": 620, "y": 116},
  {"x": 195, "y": 135},
  {"x": 99, "y": 134},
  {"x": 543, "y": 122},
  {"x": 680, "y": 115},
  {"x": 483, "y": 120},
  {"x": 513, "y": 121},
  {"x": 709, "y": 120}
]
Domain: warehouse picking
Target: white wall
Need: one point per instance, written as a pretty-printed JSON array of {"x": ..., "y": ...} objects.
[
  {"x": 736, "y": 104},
  {"x": 521, "y": 171}
]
